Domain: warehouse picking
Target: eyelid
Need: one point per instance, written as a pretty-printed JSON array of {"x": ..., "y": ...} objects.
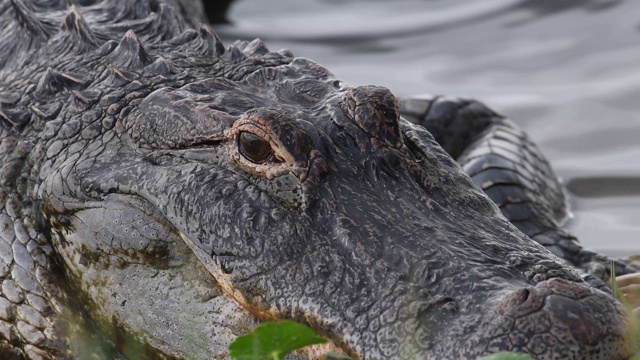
[{"x": 204, "y": 143}]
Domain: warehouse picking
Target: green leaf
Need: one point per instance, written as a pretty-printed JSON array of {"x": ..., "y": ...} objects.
[
  {"x": 618, "y": 294},
  {"x": 507, "y": 356},
  {"x": 273, "y": 341},
  {"x": 614, "y": 284}
]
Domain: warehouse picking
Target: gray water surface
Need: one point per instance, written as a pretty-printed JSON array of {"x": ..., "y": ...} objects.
[{"x": 565, "y": 70}]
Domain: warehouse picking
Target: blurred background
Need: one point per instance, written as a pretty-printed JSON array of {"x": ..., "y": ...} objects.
[{"x": 568, "y": 71}]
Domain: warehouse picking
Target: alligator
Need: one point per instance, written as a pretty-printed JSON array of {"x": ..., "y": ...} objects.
[{"x": 162, "y": 193}]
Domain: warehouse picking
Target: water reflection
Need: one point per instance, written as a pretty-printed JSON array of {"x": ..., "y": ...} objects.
[
  {"x": 602, "y": 186},
  {"x": 543, "y": 8},
  {"x": 565, "y": 70}
]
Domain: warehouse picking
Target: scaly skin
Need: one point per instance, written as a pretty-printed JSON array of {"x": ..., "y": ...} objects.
[
  {"x": 502, "y": 161},
  {"x": 161, "y": 194}
]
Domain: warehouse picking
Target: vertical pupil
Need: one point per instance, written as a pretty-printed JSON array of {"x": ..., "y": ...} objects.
[{"x": 254, "y": 148}]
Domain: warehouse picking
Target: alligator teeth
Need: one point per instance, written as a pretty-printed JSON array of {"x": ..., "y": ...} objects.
[
  {"x": 75, "y": 24},
  {"x": 130, "y": 52},
  {"x": 53, "y": 81},
  {"x": 211, "y": 46},
  {"x": 256, "y": 47},
  {"x": 161, "y": 67}
]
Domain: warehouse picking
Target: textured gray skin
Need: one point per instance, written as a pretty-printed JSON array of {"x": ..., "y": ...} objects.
[
  {"x": 135, "y": 221},
  {"x": 502, "y": 161}
]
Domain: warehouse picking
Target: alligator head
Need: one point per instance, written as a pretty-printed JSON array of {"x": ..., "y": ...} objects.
[{"x": 191, "y": 189}]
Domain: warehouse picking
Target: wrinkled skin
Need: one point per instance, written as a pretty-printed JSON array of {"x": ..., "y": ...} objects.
[{"x": 168, "y": 193}]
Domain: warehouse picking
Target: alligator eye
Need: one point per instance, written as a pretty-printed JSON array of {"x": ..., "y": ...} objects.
[{"x": 254, "y": 148}]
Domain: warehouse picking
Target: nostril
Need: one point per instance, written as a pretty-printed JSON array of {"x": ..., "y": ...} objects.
[
  {"x": 523, "y": 296},
  {"x": 521, "y": 302}
]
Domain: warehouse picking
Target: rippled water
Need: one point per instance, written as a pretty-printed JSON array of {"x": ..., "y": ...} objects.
[{"x": 565, "y": 70}]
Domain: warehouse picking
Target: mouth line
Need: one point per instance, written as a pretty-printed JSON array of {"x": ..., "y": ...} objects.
[{"x": 223, "y": 279}]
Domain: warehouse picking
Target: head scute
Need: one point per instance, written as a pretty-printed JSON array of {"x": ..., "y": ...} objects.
[{"x": 130, "y": 53}]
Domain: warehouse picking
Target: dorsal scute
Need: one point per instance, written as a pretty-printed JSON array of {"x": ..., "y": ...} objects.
[
  {"x": 74, "y": 47},
  {"x": 116, "y": 77},
  {"x": 87, "y": 97},
  {"x": 130, "y": 53},
  {"x": 160, "y": 66},
  {"x": 107, "y": 48},
  {"x": 233, "y": 54},
  {"x": 27, "y": 19},
  {"x": 75, "y": 24},
  {"x": 53, "y": 81},
  {"x": 184, "y": 38},
  {"x": 16, "y": 117},
  {"x": 47, "y": 111},
  {"x": 255, "y": 47},
  {"x": 169, "y": 22},
  {"x": 21, "y": 33},
  {"x": 211, "y": 44}
]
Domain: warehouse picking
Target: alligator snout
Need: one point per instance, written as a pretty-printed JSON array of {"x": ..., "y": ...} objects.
[{"x": 563, "y": 318}]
